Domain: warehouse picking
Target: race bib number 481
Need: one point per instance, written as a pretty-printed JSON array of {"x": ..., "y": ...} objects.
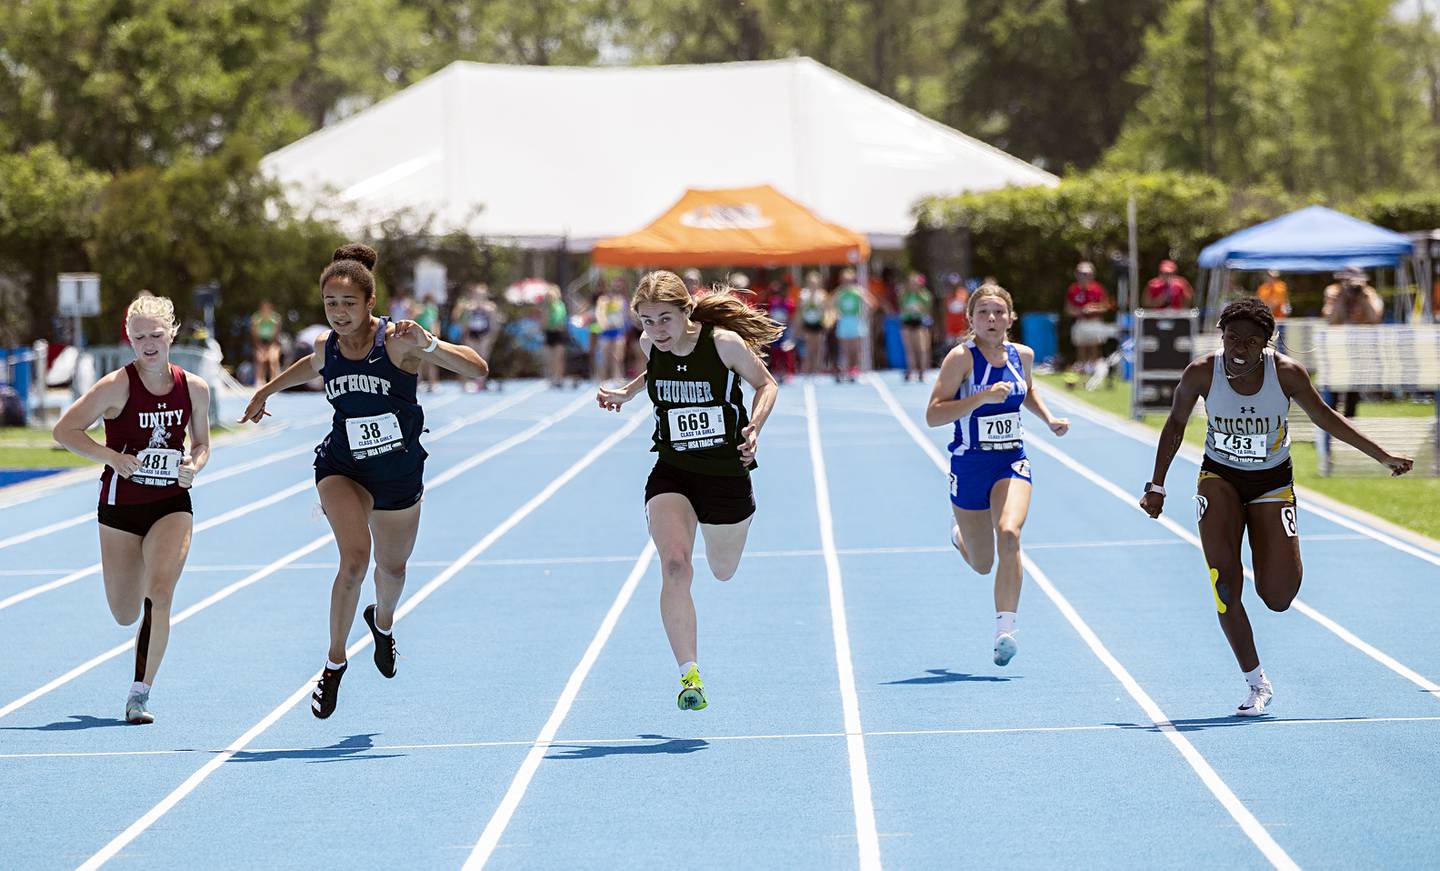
[
  {"x": 696, "y": 427},
  {"x": 159, "y": 467},
  {"x": 374, "y": 436}
]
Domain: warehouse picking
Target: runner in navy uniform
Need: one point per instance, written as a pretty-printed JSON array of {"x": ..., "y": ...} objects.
[
  {"x": 145, "y": 515},
  {"x": 983, "y": 383},
  {"x": 1247, "y": 483},
  {"x": 370, "y": 468},
  {"x": 698, "y": 351}
]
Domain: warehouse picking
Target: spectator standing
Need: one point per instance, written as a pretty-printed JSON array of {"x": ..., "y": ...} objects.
[
  {"x": 1351, "y": 300},
  {"x": 265, "y": 341},
  {"x": 1274, "y": 293},
  {"x": 1087, "y": 303},
  {"x": 1168, "y": 290}
]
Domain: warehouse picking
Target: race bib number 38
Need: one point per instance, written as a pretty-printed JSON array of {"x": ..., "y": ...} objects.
[
  {"x": 1000, "y": 431},
  {"x": 159, "y": 467},
  {"x": 1246, "y": 448},
  {"x": 696, "y": 427},
  {"x": 373, "y": 436}
]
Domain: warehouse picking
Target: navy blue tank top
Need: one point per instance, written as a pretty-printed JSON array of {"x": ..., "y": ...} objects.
[{"x": 376, "y": 429}]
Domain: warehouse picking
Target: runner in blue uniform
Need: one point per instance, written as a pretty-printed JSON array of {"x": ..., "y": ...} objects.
[
  {"x": 982, "y": 385},
  {"x": 370, "y": 468}
]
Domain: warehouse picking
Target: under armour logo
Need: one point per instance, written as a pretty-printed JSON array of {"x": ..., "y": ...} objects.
[
  {"x": 680, "y": 368},
  {"x": 1247, "y": 409}
]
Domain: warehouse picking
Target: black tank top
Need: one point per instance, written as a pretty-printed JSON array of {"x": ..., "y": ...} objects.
[
  {"x": 376, "y": 429},
  {"x": 699, "y": 409}
]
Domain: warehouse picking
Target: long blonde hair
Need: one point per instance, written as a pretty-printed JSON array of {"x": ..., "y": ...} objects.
[
  {"x": 985, "y": 291},
  {"x": 722, "y": 307}
]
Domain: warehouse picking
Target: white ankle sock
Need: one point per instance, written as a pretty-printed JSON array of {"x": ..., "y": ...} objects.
[
  {"x": 1256, "y": 676},
  {"x": 1005, "y": 622},
  {"x": 686, "y": 666},
  {"x": 138, "y": 687},
  {"x": 333, "y": 666}
]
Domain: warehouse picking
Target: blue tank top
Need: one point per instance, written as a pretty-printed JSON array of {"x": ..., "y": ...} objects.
[
  {"x": 377, "y": 424},
  {"x": 994, "y": 427}
]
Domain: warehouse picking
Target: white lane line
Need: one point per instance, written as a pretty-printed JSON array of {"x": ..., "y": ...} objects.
[
  {"x": 757, "y": 554},
  {"x": 283, "y": 562},
  {"x": 1257, "y": 833},
  {"x": 181, "y": 617},
  {"x": 1182, "y": 725},
  {"x": 495, "y": 828},
  {"x": 865, "y": 830},
  {"x": 1194, "y": 455},
  {"x": 298, "y": 487},
  {"x": 136, "y": 828}
]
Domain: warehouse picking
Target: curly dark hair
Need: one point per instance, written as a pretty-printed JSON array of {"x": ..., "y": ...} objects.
[
  {"x": 353, "y": 263},
  {"x": 1252, "y": 309}
]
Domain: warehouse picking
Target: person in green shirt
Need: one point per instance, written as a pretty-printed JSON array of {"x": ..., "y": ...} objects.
[
  {"x": 427, "y": 315},
  {"x": 553, "y": 318},
  {"x": 917, "y": 304},
  {"x": 851, "y": 303},
  {"x": 265, "y": 339}
]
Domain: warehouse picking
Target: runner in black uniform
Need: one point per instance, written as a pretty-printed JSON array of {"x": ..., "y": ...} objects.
[
  {"x": 370, "y": 468},
  {"x": 698, "y": 352}
]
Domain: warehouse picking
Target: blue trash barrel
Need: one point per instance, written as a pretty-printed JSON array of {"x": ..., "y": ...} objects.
[
  {"x": 1041, "y": 331},
  {"x": 894, "y": 344}
]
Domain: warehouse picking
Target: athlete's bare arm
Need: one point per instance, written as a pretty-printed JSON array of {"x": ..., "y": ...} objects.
[
  {"x": 106, "y": 399},
  {"x": 1194, "y": 383},
  {"x": 954, "y": 369},
  {"x": 611, "y": 398},
  {"x": 297, "y": 373},
  {"x": 737, "y": 356},
  {"x": 199, "y": 453},
  {"x": 411, "y": 340},
  {"x": 1058, "y": 425},
  {"x": 1296, "y": 383}
]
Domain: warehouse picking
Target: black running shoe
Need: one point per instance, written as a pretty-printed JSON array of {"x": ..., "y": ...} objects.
[
  {"x": 385, "y": 651},
  {"x": 327, "y": 692}
]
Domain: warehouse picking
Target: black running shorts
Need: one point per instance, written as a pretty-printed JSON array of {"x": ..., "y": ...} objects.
[
  {"x": 717, "y": 499},
  {"x": 137, "y": 519}
]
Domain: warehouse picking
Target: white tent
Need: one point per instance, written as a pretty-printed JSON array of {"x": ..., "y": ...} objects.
[{"x": 546, "y": 156}]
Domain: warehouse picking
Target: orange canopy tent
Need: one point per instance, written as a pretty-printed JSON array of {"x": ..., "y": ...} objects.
[{"x": 756, "y": 226}]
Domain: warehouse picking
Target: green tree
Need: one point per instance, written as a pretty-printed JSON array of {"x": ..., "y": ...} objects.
[
  {"x": 46, "y": 204},
  {"x": 1046, "y": 79}
]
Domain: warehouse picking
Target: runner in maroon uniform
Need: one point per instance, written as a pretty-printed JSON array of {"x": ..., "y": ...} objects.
[{"x": 144, "y": 512}]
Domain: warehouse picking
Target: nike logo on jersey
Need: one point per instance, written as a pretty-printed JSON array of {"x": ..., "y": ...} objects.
[{"x": 374, "y": 359}]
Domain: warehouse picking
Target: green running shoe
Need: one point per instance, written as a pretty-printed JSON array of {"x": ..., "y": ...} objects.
[{"x": 692, "y": 697}]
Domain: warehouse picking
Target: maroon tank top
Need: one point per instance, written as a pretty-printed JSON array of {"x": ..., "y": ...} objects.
[{"x": 152, "y": 428}]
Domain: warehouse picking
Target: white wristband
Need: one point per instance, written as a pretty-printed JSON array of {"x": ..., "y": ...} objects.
[{"x": 434, "y": 343}]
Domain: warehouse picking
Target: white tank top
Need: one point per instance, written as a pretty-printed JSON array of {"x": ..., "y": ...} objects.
[{"x": 1247, "y": 432}]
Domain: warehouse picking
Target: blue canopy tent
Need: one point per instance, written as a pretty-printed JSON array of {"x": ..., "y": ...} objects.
[{"x": 1314, "y": 239}]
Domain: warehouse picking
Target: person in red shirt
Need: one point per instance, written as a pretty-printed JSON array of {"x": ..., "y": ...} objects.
[
  {"x": 149, "y": 406},
  {"x": 957, "y": 323},
  {"x": 1168, "y": 290},
  {"x": 1086, "y": 302}
]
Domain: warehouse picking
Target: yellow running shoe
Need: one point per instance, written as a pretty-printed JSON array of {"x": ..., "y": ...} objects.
[{"x": 692, "y": 697}]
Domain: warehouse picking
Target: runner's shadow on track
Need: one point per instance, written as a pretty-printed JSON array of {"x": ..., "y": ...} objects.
[
  {"x": 351, "y": 749},
  {"x": 673, "y": 746},
  {"x": 945, "y": 675},
  {"x": 1200, "y": 725},
  {"x": 75, "y": 723}
]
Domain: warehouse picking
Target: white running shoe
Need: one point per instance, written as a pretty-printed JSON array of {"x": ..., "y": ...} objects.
[
  {"x": 1254, "y": 705},
  {"x": 137, "y": 709},
  {"x": 1005, "y": 648}
]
